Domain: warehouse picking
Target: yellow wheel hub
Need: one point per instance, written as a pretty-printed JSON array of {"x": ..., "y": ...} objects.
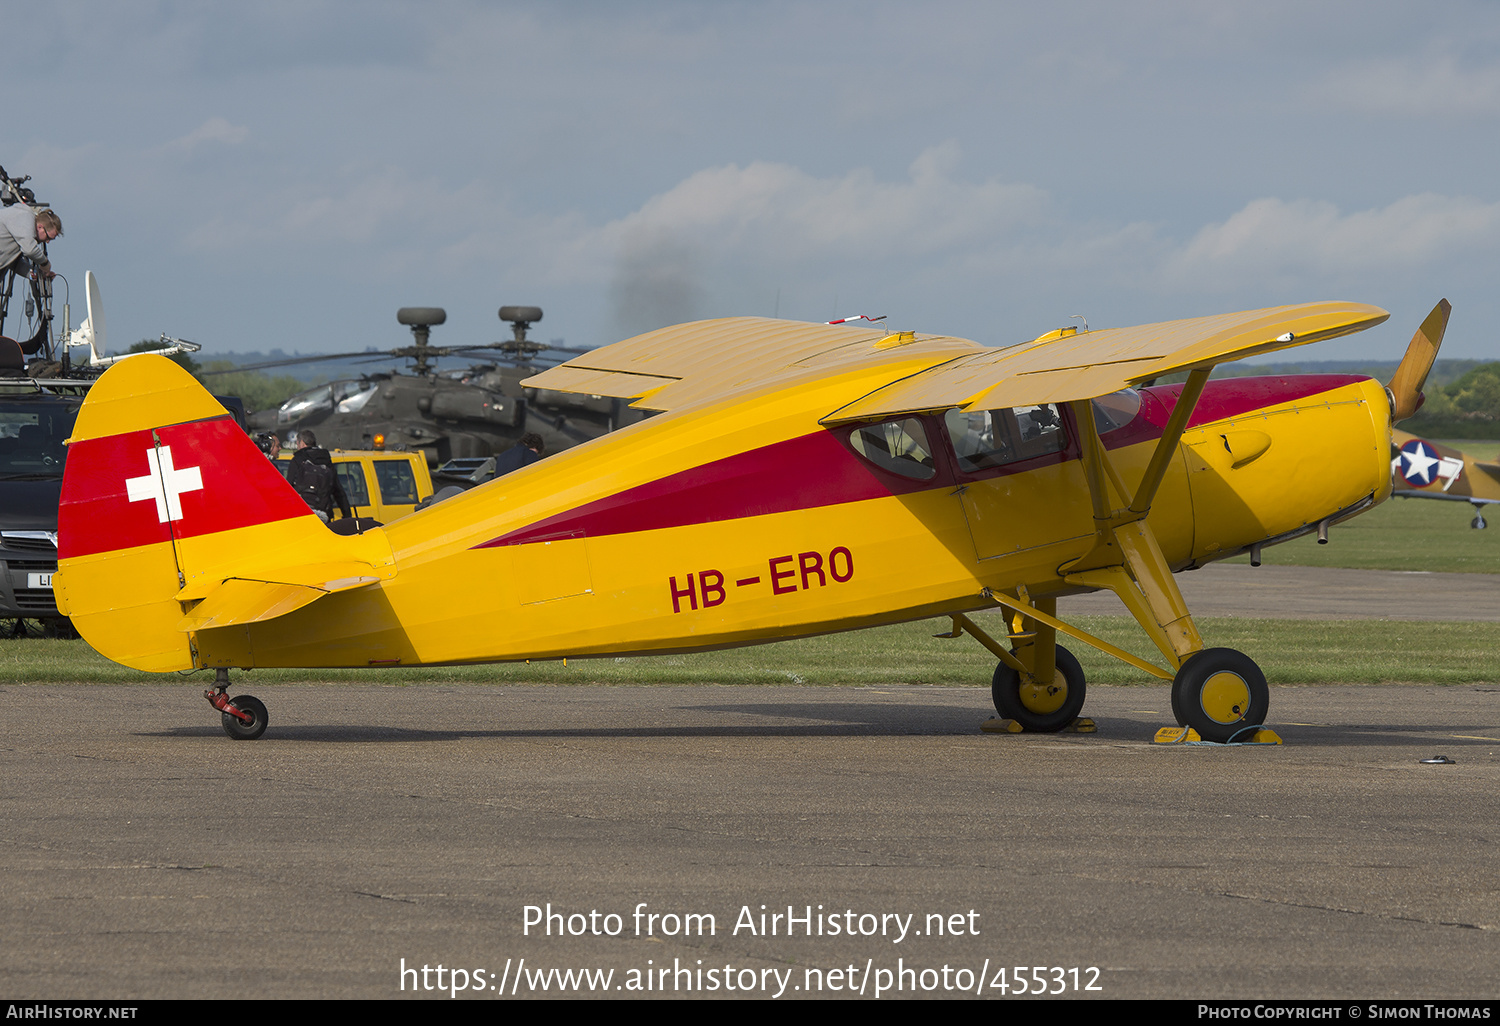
[
  {"x": 1042, "y": 698},
  {"x": 1225, "y": 697}
]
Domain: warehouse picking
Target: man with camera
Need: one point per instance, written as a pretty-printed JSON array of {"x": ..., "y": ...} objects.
[{"x": 23, "y": 234}]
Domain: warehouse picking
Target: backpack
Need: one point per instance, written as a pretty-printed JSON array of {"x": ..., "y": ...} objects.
[{"x": 314, "y": 482}]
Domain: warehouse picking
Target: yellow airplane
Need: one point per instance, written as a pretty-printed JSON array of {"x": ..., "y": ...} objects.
[
  {"x": 798, "y": 479},
  {"x": 1427, "y": 470}
]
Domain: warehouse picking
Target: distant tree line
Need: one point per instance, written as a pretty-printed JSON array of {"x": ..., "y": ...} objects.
[
  {"x": 1463, "y": 396},
  {"x": 1468, "y": 407}
]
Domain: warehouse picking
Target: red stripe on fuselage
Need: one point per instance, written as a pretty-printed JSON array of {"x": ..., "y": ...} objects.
[
  {"x": 798, "y": 473},
  {"x": 1228, "y": 398},
  {"x": 238, "y": 487},
  {"x": 819, "y": 470}
]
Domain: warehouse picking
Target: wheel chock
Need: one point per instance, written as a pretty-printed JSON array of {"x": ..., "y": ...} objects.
[
  {"x": 1189, "y": 736},
  {"x": 996, "y": 725}
]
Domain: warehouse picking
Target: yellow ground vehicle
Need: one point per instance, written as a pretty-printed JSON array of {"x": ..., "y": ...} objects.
[{"x": 381, "y": 484}]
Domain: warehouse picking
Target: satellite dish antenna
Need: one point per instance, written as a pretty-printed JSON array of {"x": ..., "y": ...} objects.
[{"x": 91, "y": 332}]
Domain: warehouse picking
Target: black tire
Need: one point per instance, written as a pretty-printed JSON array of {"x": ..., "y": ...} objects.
[
  {"x": 240, "y": 730},
  {"x": 1219, "y": 693},
  {"x": 1043, "y": 714}
]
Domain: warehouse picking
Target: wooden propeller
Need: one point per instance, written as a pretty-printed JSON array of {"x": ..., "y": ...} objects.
[{"x": 1406, "y": 385}]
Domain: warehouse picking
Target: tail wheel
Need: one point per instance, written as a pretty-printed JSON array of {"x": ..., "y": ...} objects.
[
  {"x": 1219, "y": 693},
  {"x": 1042, "y": 708},
  {"x": 238, "y": 728}
]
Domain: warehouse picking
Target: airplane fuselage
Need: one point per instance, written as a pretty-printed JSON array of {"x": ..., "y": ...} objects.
[{"x": 746, "y": 520}]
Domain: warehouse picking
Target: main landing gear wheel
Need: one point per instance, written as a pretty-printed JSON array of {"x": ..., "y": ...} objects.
[
  {"x": 1042, "y": 708},
  {"x": 238, "y": 728},
  {"x": 1219, "y": 693}
]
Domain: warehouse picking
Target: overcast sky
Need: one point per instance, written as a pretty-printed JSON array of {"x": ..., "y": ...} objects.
[{"x": 271, "y": 175}]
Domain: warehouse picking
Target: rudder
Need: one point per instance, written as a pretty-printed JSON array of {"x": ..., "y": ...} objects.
[{"x": 164, "y": 498}]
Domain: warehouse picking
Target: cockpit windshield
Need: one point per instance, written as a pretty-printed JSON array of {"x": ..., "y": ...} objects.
[
  {"x": 1116, "y": 409},
  {"x": 355, "y": 392}
]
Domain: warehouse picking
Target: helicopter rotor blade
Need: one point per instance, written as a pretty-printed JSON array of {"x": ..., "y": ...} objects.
[
  {"x": 403, "y": 353},
  {"x": 291, "y": 361}
]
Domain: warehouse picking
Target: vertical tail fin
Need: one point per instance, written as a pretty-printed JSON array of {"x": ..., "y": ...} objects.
[{"x": 163, "y": 499}]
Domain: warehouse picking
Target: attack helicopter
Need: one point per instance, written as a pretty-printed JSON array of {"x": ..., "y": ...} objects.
[{"x": 479, "y": 411}]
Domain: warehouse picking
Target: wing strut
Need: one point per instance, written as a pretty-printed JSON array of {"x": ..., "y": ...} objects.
[{"x": 1125, "y": 557}]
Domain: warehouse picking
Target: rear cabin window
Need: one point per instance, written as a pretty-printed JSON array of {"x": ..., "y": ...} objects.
[
  {"x": 398, "y": 485},
  {"x": 993, "y": 438},
  {"x": 897, "y": 446}
]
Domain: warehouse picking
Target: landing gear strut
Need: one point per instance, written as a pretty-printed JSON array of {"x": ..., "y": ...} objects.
[{"x": 245, "y": 717}]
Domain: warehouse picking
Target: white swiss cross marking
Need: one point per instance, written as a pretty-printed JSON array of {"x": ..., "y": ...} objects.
[{"x": 164, "y": 483}]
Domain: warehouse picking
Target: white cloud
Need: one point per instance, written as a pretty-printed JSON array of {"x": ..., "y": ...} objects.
[
  {"x": 747, "y": 238},
  {"x": 783, "y": 211},
  {"x": 722, "y": 231},
  {"x": 1273, "y": 237},
  {"x": 214, "y": 130},
  {"x": 1415, "y": 86}
]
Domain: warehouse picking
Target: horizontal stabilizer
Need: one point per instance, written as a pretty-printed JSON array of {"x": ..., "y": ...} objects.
[
  {"x": 339, "y": 575},
  {"x": 238, "y": 601}
]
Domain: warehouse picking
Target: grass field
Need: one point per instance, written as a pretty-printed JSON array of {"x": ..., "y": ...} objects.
[
  {"x": 1483, "y": 449},
  {"x": 1290, "y": 652}
]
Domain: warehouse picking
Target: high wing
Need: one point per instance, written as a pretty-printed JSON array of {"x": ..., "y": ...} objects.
[
  {"x": 675, "y": 366},
  {"x": 1094, "y": 363}
]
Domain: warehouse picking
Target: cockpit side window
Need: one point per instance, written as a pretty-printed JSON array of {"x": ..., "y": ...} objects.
[
  {"x": 985, "y": 439},
  {"x": 897, "y": 446}
]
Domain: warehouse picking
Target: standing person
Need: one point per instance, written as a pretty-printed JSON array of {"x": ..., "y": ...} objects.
[
  {"x": 23, "y": 232},
  {"x": 312, "y": 474},
  {"x": 523, "y": 454}
]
